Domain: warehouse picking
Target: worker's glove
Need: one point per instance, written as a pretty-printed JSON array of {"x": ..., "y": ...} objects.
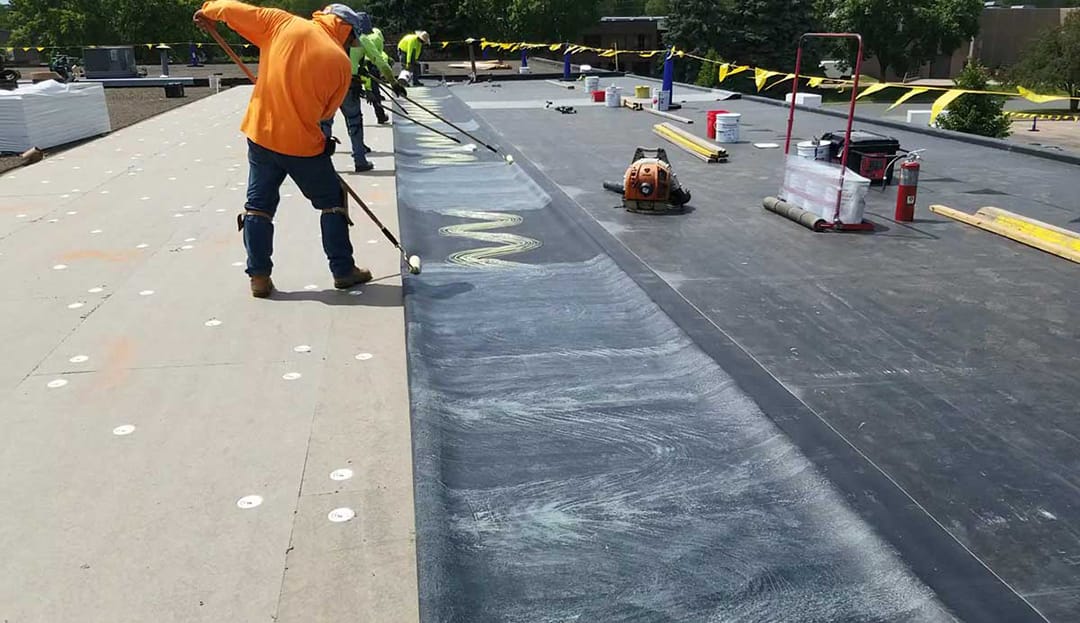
[
  {"x": 372, "y": 96},
  {"x": 356, "y": 88},
  {"x": 399, "y": 89}
]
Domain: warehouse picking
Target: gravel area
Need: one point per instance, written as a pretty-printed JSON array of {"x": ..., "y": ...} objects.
[{"x": 127, "y": 107}]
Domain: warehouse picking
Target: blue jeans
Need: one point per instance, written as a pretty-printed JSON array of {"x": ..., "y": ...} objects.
[
  {"x": 354, "y": 121},
  {"x": 318, "y": 181}
]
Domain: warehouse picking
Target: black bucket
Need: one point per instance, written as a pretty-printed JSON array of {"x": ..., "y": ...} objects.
[{"x": 174, "y": 89}]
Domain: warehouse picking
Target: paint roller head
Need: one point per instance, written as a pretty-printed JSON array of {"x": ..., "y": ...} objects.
[{"x": 414, "y": 264}]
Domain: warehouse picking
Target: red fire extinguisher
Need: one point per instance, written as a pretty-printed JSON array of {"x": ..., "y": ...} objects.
[{"x": 908, "y": 188}]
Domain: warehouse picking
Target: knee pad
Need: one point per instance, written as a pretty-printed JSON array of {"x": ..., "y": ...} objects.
[
  {"x": 255, "y": 213},
  {"x": 342, "y": 211}
]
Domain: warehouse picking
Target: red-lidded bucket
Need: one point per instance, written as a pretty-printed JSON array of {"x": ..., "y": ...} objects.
[
  {"x": 598, "y": 96},
  {"x": 710, "y": 125}
]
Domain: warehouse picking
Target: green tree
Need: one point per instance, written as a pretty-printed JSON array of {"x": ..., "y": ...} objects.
[
  {"x": 657, "y": 7},
  {"x": 1052, "y": 61},
  {"x": 906, "y": 34},
  {"x": 708, "y": 76},
  {"x": 56, "y": 22},
  {"x": 976, "y": 114},
  {"x": 551, "y": 20},
  {"x": 757, "y": 32}
]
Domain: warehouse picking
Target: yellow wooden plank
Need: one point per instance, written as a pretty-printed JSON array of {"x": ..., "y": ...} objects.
[
  {"x": 1038, "y": 229},
  {"x": 994, "y": 226}
]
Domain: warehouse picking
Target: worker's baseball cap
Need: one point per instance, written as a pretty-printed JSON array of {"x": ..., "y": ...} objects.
[
  {"x": 422, "y": 34},
  {"x": 360, "y": 21}
]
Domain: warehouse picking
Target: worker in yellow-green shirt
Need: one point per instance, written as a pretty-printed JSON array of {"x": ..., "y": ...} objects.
[
  {"x": 409, "y": 49},
  {"x": 367, "y": 57},
  {"x": 377, "y": 63}
]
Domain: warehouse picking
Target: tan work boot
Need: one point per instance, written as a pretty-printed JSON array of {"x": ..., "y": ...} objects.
[
  {"x": 357, "y": 277},
  {"x": 261, "y": 286}
]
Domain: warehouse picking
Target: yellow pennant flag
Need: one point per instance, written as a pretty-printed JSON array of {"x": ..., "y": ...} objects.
[
  {"x": 26, "y": 49},
  {"x": 781, "y": 81},
  {"x": 445, "y": 44},
  {"x": 873, "y": 88},
  {"x": 149, "y": 46},
  {"x": 762, "y": 75},
  {"x": 814, "y": 83},
  {"x": 906, "y": 96},
  {"x": 198, "y": 45},
  {"x": 1032, "y": 96},
  {"x": 724, "y": 67},
  {"x": 609, "y": 54},
  {"x": 940, "y": 103},
  {"x": 649, "y": 54},
  {"x": 555, "y": 47}
]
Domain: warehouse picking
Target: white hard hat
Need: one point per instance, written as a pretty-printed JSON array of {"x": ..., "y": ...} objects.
[{"x": 424, "y": 37}]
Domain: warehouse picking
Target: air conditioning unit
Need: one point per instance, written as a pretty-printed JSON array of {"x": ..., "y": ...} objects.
[{"x": 110, "y": 62}]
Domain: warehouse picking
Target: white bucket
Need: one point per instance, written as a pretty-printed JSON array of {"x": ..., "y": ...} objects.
[
  {"x": 592, "y": 83},
  {"x": 612, "y": 97},
  {"x": 727, "y": 127},
  {"x": 215, "y": 83},
  {"x": 813, "y": 151},
  {"x": 663, "y": 100}
]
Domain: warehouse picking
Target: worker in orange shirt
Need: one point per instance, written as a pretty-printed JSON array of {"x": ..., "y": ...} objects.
[{"x": 304, "y": 74}]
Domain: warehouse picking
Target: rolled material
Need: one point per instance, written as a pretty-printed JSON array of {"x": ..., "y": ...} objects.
[{"x": 808, "y": 220}]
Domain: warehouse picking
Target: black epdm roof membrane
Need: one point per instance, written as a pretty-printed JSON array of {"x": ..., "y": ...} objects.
[{"x": 721, "y": 416}]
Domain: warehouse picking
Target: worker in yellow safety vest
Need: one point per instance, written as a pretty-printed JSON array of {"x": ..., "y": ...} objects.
[
  {"x": 409, "y": 49},
  {"x": 379, "y": 65},
  {"x": 368, "y": 50}
]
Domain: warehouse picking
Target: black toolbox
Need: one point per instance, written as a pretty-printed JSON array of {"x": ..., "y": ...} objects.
[{"x": 871, "y": 155}]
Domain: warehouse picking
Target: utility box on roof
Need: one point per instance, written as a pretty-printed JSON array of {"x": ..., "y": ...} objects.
[
  {"x": 870, "y": 155},
  {"x": 110, "y": 62}
]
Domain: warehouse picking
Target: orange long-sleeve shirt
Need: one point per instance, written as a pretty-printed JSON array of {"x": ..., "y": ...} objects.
[{"x": 304, "y": 74}]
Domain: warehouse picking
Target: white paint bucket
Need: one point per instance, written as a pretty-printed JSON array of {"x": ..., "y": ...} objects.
[
  {"x": 813, "y": 151},
  {"x": 727, "y": 127},
  {"x": 215, "y": 83},
  {"x": 612, "y": 97},
  {"x": 592, "y": 83}
]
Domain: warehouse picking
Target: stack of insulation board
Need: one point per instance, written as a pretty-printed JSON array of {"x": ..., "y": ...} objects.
[
  {"x": 815, "y": 186},
  {"x": 50, "y": 113},
  {"x": 695, "y": 145}
]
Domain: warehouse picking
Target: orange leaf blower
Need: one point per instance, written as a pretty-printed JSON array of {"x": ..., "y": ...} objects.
[{"x": 649, "y": 186}]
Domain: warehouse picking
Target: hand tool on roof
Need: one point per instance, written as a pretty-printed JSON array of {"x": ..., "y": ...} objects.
[
  {"x": 649, "y": 185},
  {"x": 566, "y": 110},
  {"x": 412, "y": 261}
]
